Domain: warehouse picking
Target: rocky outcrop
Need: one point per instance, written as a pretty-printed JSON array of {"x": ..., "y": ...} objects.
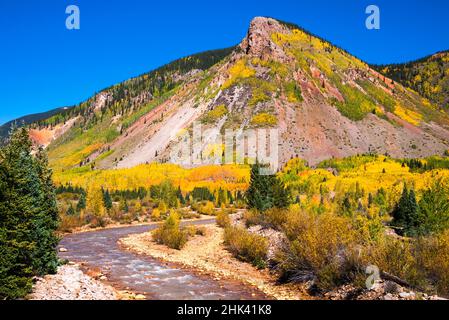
[{"x": 258, "y": 42}]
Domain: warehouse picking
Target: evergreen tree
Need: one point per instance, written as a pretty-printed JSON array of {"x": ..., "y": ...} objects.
[
  {"x": 347, "y": 205},
  {"x": 280, "y": 194},
  {"x": 181, "y": 198},
  {"x": 259, "y": 195},
  {"x": 81, "y": 202},
  {"x": 124, "y": 206},
  {"x": 70, "y": 211},
  {"x": 107, "y": 200},
  {"x": 28, "y": 216},
  {"x": 412, "y": 214},
  {"x": 406, "y": 212},
  {"x": 47, "y": 220},
  {"x": 265, "y": 191}
]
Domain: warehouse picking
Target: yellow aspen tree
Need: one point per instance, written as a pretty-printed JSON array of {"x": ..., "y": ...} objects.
[{"x": 95, "y": 203}]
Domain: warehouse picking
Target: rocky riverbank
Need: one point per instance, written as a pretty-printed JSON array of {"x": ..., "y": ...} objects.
[
  {"x": 70, "y": 283},
  {"x": 207, "y": 255}
]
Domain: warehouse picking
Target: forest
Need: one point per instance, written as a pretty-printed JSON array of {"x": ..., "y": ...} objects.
[{"x": 370, "y": 206}]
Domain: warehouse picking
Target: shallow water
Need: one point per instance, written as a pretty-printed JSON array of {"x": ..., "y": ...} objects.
[{"x": 140, "y": 274}]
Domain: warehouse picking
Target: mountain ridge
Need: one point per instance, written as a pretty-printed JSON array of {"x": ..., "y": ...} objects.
[
  {"x": 325, "y": 102},
  {"x": 429, "y": 76}
]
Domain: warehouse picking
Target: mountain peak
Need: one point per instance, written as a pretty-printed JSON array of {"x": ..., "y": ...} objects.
[{"x": 258, "y": 41}]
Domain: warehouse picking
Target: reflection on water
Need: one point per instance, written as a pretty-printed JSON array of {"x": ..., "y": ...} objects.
[{"x": 140, "y": 274}]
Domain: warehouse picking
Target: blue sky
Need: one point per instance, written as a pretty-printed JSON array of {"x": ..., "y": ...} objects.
[{"x": 43, "y": 65}]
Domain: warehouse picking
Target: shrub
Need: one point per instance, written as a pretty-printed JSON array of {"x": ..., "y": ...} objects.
[
  {"x": 186, "y": 213},
  {"x": 216, "y": 114},
  {"x": 156, "y": 215},
  {"x": 195, "y": 231},
  {"x": 170, "y": 233},
  {"x": 433, "y": 256},
  {"x": 293, "y": 92},
  {"x": 319, "y": 247},
  {"x": 246, "y": 246},
  {"x": 68, "y": 223},
  {"x": 275, "y": 218},
  {"x": 252, "y": 218},
  {"x": 223, "y": 219},
  {"x": 204, "y": 207},
  {"x": 396, "y": 257},
  {"x": 333, "y": 250},
  {"x": 264, "y": 120},
  {"x": 257, "y": 97}
]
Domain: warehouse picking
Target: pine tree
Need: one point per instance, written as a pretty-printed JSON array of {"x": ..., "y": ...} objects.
[
  {"x": 181, "y": 198},
  {"x": 259, "y": 195},
  {"x": 347, "y": 205},
  {"x": 28, "y": 216},
  {"x": 280, "y": 194},
  {"x": 400, "y": 209},
  {"x": 47, "y": 221},
  {"x": 265, "y": 191},
  {"x": 107, "y": 200},
  {"x": 406, "y": 213},
  {"x": 412, "y": 214},
  {"x": 81, "y": 202},
  {"x": 70, "y": 211}
]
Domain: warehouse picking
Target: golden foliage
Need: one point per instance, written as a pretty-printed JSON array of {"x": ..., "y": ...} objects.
[
  {"x": 95, "y": 205},
  {"x": 264, "y": 120},
  {"x": 237, "y": 72},
  {"x": 408, "y": 115},
  {"x": 216, "y": 114},
  {"x": 227, "y": 177}
]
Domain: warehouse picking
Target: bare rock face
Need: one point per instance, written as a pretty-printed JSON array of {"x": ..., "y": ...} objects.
[{"x": 258, "y": 41}]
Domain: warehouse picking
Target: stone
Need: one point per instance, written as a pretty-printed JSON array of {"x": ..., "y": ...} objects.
[
  {"x": 63, "y": 250},
  {"x": 405, "y": 295}
]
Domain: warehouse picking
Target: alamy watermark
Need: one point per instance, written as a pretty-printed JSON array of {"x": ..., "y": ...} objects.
[
  {"x": 73, "y": 21},
  {"x": 372, "y": 22},
  {"x": 210, "y": 146},
  {"x": 373, "y": 273}
]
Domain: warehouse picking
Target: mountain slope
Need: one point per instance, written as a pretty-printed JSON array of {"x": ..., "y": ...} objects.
[
  {"x": 325, "y": 103},
  {"x": 428, "y": 76},
  {"x": 107, "y": 116},
  {"x": 28, "y": 119}
]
